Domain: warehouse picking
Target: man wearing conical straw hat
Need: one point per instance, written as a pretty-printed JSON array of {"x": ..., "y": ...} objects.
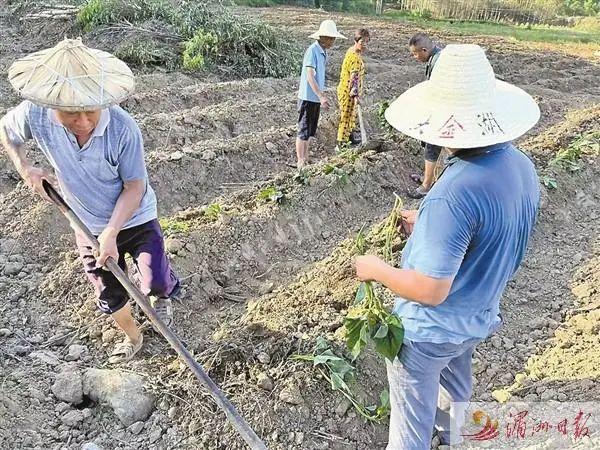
[
  {"x": 96, "y": 150},
  {"x": 467, "y": 239},
  {"x": 311, "y": 94}
]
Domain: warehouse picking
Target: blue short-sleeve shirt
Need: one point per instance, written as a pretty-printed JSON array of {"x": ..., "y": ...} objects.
[
  {"x": 91, "y": 178},
  {"x": 315, "y": 57},
  {"x": 473, "y": 226}
]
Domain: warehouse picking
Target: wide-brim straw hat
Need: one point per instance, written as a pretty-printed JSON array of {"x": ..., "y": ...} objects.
[
  {"x": 328, "y": 28},
  {"x": 72, "y": 77},
  {"x": 463, "y": 105}
]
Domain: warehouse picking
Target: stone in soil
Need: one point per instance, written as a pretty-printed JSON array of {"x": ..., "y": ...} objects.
[
  {"x": 46, "y": 356},
  {"x": 72, "y": 418},
  {"x": 123, "y": 392},
  {"x": 109, "y": 335},
  {"x": 75, "y": 352},
  {"x": 342, "y": 407},
  {"x": 291, "y": 394},
  {"x": 155, "y": 435},
  {"x": 90, "y": 446},
  {"x": 265, "y": 382},
  {"x": 136, "y": 428},
  {"x": 13, "y": 268},
  {"x": 68, "y": 386},
  {"x": 264, "y": 358},
  {"x": 173, "y": 245}
]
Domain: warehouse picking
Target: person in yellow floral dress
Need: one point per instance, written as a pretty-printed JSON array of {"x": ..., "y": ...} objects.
[{"x": 350, "y": 87}]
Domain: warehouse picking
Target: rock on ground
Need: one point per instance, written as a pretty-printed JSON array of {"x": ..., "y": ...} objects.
[
  {"x": 123, "y": 392},
  {"x": 68, "y": 386}
]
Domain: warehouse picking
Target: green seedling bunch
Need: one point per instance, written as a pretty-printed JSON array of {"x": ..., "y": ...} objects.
[{"x": 368, "y": 319}]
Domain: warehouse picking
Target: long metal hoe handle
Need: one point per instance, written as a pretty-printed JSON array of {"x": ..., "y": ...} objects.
[{"x": 236, "y": 420}]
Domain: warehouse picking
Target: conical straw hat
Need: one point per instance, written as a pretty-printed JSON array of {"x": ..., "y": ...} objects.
[
  {"x": 463, "y": 105},
  {"x": 72, "y": 77}
]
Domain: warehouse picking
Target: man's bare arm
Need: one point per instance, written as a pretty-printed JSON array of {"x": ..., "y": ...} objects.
[{"x": 33, "y": 176}]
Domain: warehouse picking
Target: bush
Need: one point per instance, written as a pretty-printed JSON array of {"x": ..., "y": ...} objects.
[
  {"x": 147, "y": 52},
  {"x": 210, "y": 34},
  {"x": 202, "y": 47}
]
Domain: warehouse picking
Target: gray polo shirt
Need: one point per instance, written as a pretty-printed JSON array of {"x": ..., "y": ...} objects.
[{"x": 91, "y": 178}]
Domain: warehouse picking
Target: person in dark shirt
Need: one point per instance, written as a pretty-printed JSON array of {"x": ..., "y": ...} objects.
[{"x": 424, "y": 50}]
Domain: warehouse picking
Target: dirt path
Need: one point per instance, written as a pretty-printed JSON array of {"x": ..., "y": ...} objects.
[{"x": 253, "y": 297}]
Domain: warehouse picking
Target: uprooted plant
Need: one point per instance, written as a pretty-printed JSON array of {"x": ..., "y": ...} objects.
[
  {"x": 368, "y": 319},
  {"x": 339, "y": 372}
]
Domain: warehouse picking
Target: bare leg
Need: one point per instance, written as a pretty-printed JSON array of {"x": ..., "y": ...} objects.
[
  {"x": 302, "y": 152},
  {"x": 125, "y": 321}
]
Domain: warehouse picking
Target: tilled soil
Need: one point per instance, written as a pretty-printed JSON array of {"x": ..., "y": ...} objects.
[{"x": 264, "y": 279}]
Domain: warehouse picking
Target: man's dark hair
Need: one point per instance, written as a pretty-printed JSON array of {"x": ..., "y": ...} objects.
[
  {"x": 361, "y": 33},
  {"x": 421, "y": 40}
]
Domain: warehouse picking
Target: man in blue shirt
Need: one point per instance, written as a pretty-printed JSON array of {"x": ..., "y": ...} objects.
[
  {"x": 311, "y": 95},
  {"x": 97, "y": 153},
  {"x": 467, "y": 239}
]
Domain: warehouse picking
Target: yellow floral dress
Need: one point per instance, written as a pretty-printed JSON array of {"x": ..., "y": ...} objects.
[{"x": 351, "y": 84}]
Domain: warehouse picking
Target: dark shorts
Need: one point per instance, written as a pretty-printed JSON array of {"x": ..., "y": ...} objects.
[
  {"x": 308, "y": 119},
  {"x": 431, "y": 152},
  {"x": 146, "y": 246}
]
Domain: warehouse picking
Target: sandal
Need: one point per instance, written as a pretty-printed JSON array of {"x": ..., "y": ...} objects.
[
  {"x": 126, "y": 350},
  {"x": 164, "y": 309},
  {"x": 418, "y": 193},
  {"x": 417, "y": 178}
]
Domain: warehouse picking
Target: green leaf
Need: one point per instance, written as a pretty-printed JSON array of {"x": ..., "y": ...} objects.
[
  {"x": 382, "y": 331},
  {"x": 389, "y": 346},
  {"x": 343, "y": 368},
  {"x": 361, "y": 293},
  {"x": 337, "y": 383},
  {"x": 322, "y": 345},
  {"x": 326, "y": 357},
  {"x": 384, "y": 398},
  {"x": 356, "y": 335}
]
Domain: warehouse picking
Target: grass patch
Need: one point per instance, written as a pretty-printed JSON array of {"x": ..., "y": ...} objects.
[
  {"x": 208, "y": 36},
  {"x": 569, "y": 158},
  {"x": 213, "y": 212},
  {"x": 270, "y": 194},
  {"x": 525, "y": 32},
  {"x": 171, "y": 225}
]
